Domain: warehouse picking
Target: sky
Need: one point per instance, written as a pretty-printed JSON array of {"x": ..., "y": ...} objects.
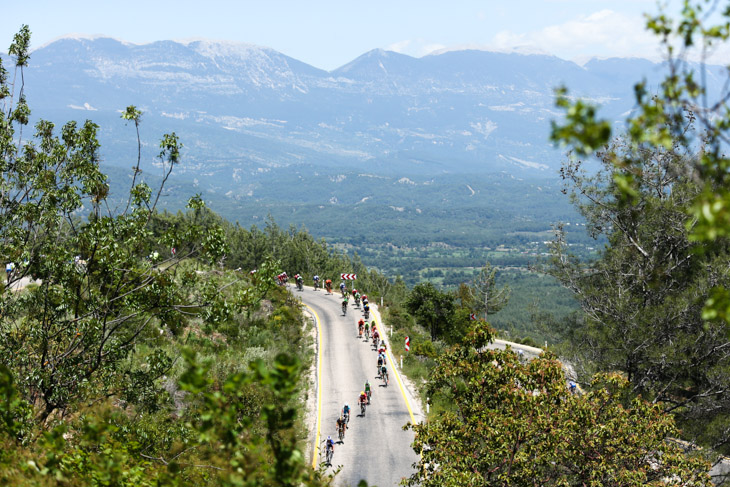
[{"x": 330, "y": 33}]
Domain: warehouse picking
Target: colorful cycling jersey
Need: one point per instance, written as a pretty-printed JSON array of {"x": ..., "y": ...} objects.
[
  {"x": 367, "y": 386},
  {"x": 363, "y": 397},
  {"x": 367, "y": 325},
  {"x": 342, "y": 285},
  {"x": 346, "y": 409},
  {"x": 361, "y": 322},
  {"x": 316, "y": 278}
]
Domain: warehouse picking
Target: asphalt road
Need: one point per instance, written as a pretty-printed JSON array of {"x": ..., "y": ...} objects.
[{"x": 375, "y": 447}]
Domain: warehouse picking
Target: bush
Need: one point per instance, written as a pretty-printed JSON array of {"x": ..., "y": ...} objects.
[{"x": 425, "y": 349}]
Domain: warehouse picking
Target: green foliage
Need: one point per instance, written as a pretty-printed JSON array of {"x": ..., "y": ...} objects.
[
  {"x": 656, "y": 301},
  {"x": 424, "y": 349},
  {"x": 486, "y": 297},
  {"x": 515, "y": 424},
  {"x": 432, "y": 308},
  {"x": 93, "y": 390}
]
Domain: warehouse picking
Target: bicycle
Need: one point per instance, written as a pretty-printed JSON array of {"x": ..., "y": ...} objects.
[
  {"x": 300, "y": 286},
  {"x": 362, "y": 408},
  {"x": 344, "y": 309},
  {"x": 341, "y": 432},
  {"x": 329, "y": 454},
  {"x": 316, "y": 285},
  {"x": 384, "y": 376},
  {"x": 367, "y": 334}
]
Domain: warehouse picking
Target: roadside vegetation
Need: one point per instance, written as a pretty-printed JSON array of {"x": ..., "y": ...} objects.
[{"x": 155, "y": 348}]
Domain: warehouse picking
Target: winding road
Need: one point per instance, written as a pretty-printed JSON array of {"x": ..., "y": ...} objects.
[{"x": 375, "y": 447}]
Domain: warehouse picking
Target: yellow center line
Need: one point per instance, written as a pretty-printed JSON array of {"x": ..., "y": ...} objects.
[
  {"x": 395, "y": 371},
  {"x": 315, "y": 451}
]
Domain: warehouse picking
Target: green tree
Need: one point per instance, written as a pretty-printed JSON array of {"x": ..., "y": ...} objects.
[
  {"x": 487, "y": 297},
  {"x": 656, "y": 302},
  {"x": 101, "y": 286},
  {"x": 432, "y": 308},
  {"x": 516, "y": 424}
]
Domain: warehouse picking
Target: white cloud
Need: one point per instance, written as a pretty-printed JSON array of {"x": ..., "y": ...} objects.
[{"x": 602, "y": 33}]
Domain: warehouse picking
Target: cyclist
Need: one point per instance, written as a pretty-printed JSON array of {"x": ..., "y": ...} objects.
[
  {"x": 367, "y": 330},
  {"x": 343, "y": 288},
  {"x": 364, "y": 299},
  {"x": 360, "y": 326},
  {"x": 367, "y": 390},
  {"x": 366, "y": 310},
  {"x": 383, "y": 347},
  {"x": 329, "y": 445},
  {"x": 341, "y": 426},
  {"x": 382, "y": 355},
  {"x": 357, "y": 299},
  {"x": 362, "y": 400},
  {"x": 316, "y": 282},
  {"x": 345, "y": 300},
  {"x": 300, "y": 281},
  {"x": 346, "y": 412},
  {"x": 384, "y": 374},
  {"x": 381, "y": 361},
  {"x": 354, "y": 292},
  {"x": 328, "y": 285},
  {"x": 376, "y": 337}
]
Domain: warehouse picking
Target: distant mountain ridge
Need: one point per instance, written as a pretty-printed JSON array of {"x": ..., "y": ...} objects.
[{"x": 244, "y": 110}]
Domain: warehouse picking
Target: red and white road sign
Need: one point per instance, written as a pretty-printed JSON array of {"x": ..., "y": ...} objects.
[
  {"x": 408, "y": 343},
  {"x": 472, "y": 317},
  {"x": 348, "y": 277}
]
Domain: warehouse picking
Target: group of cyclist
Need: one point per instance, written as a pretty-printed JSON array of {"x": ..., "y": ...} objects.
[{"x": 364, "y": 327}]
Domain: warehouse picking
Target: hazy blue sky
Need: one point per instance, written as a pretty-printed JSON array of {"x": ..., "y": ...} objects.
[{"x": 330, "y": 33}]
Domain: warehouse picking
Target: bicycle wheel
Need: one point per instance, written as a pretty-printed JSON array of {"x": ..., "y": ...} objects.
[
  {"x": 362, "y": 409},
  {"x": 329, "y": 456},
  {"x": 342, "y": 434}
]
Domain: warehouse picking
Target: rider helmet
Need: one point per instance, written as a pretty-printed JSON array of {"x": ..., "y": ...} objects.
[{"x": 329, "y": 438}]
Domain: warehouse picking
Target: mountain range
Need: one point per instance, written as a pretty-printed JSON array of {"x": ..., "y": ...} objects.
[{"x": 266, "y": 133}]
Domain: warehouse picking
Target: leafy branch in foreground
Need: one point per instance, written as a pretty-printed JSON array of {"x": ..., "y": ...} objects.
[
  {"x": 100, "y": 286},
  {"x": 656, "y": 302},
  {"x": 516, "y": 424}
]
